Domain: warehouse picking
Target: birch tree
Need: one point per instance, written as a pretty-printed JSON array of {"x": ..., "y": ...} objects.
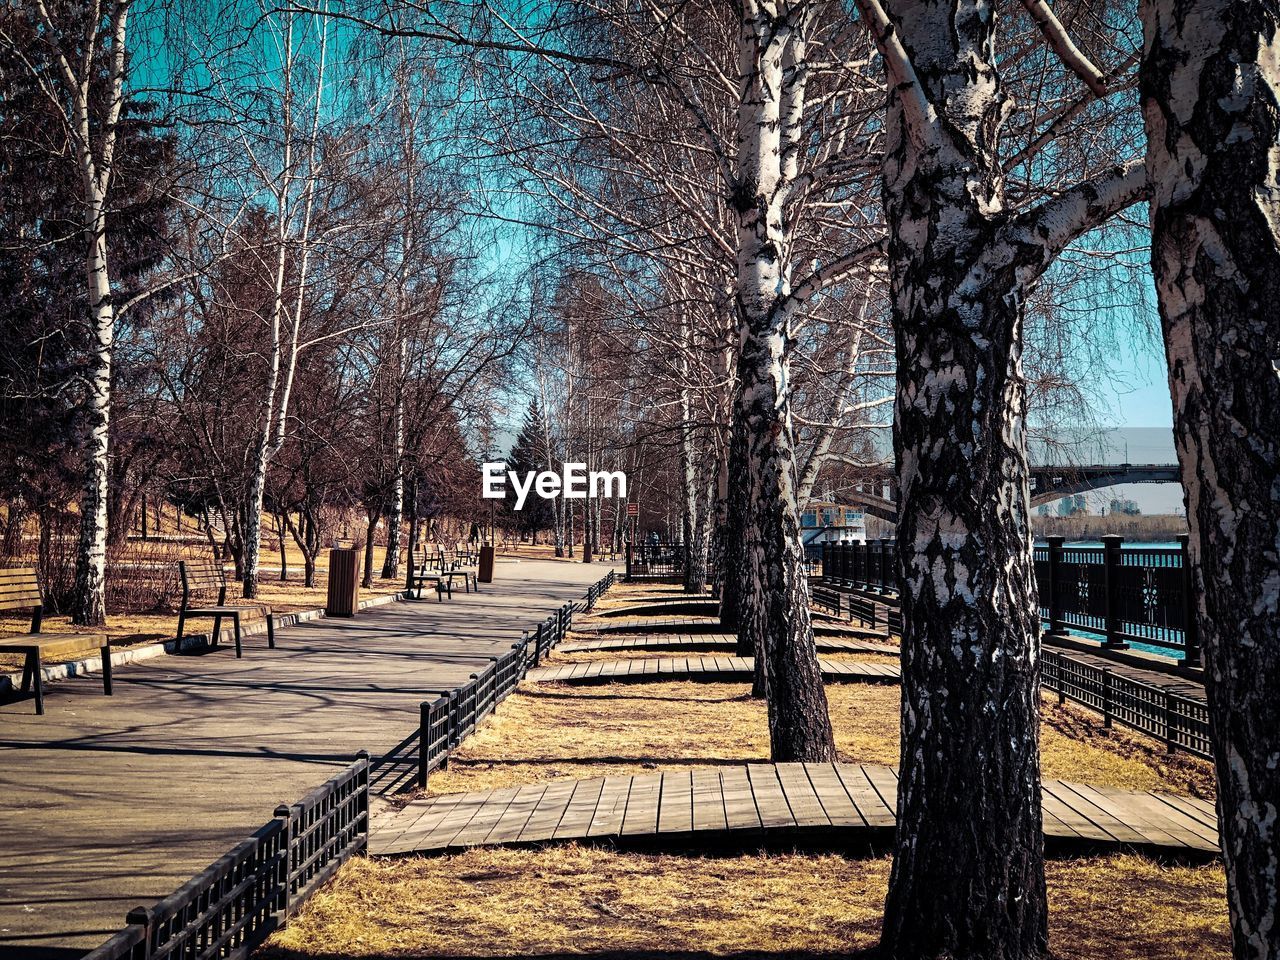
[
  {"x": 968, "y": 874},
  {"x": 744, "y": 174},
  {"x": 1211, "y": 101},
  {"x": 81, "y": 42}
]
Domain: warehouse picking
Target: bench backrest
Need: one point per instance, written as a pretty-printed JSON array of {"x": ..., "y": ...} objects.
[
  {"x": 20, "y": 590},
  {"x": 202, "y": 576}
]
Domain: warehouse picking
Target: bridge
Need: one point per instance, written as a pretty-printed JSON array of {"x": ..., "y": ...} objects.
[{"x": 1048, "y": 483}]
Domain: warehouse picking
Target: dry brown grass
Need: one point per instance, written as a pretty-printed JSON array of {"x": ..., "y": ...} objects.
[
  {"x": 575, "y": 900},
  {"x": 556, "y": 731},
  {"x": 579, "y": 900}
]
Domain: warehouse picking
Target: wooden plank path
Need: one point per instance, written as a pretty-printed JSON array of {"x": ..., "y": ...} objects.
[
  {"x": 691, "y": 606},
  {"x": 710, "y": 641},
  {"x": 703, "y": 625},
  {"x": 699, "y": 668},
  {"x": 843, "y": 801}
]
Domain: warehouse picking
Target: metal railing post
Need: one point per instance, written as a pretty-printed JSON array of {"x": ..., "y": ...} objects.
[
  {"x": 1111, "y": 582},
  {"x": 141, "y": 917},
  {"x": 362, "y": 801},
  {"x": 1106, "y": 697},
  {"x": 1054, "y": 599},
  {"x": 1191, "y": 655},
  {"x": 424, "y": 727},
  {"x": 285, "y": 812}
]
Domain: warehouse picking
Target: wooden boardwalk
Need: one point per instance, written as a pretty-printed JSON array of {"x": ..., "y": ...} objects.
[
  {"x": 699, "y": 668},
  {"x": 703, "y": 625},
  {"x": 692, "y": 606},
  {"x": 709, "y": 641},
  {"x": 840, "y": 802}
]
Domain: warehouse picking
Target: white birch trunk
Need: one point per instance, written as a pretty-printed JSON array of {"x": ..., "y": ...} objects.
[
  {"x": 1211, "y": 100},
  {"x": 91, "y": 556},
  {"x": 284, "y": 352},
  {"x": 96, "y": 162},
  {"x": 775, "y": 619}
]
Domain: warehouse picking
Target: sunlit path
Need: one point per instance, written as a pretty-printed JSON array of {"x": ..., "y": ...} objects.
[{"x": 113, "y": 802}]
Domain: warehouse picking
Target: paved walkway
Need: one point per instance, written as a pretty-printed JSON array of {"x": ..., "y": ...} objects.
[
  {"x": 108, "y": 803},
  {"x": 840, "y": 802},
  {"x": 699, "y": 668}
]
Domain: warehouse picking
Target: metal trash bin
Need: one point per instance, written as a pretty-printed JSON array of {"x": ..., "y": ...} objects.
[
  {"x": 344, "y": 581},
  {"x": 485, "y": 573}
]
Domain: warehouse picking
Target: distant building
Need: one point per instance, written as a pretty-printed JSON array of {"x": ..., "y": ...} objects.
[
  {"x": 1072, "y": 506},
  {"x": 827, "y": 522},
  {"x": 1128, "y": 508}
]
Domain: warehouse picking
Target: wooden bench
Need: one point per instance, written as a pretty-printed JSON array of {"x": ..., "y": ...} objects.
[
  {"x": 206, "y": 578},
  {"x": 433, "y": 568},
  {"x": 463, "y": 554},
  {"x": 20, "y": 590},
  {"x": 452, "y": 567}
]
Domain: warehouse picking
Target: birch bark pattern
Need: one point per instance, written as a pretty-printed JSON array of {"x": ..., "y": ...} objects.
[
  {"x": 968, "y": 870},
  {"x": 776, "y": 618},
  {"x": 89, "y": 606},
  {"x": 1211, "y": 102}
]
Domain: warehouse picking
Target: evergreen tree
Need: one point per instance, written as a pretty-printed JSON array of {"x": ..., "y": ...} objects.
[{"x": 529, "y": 453}]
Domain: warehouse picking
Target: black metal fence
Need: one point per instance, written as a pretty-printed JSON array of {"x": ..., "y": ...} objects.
[
  {"x": 860, "y": 582},
  {"x": 1141, "y": 595},
  {"x": 597, "y": 589},
  {"x": 656, "y": 561},
  {"x": 1180, "y": 722},
  {"x": 228, "y": 910},
  {"x": 871, "y": 565},
  {"x": 447, "y": 720}
]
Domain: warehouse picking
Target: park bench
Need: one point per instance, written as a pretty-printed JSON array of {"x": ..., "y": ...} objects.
[
  {"x": 455, "y": 566},
  {"x": 437, "y": 569},
  {"x": 20, "y": 590},
  {"x": 206, "y": 578},
  {"x": 423, "y": 569}
]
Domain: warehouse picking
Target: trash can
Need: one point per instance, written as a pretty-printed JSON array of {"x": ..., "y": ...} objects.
[
  {"x": 485, "y": 573},
  {"x": 344, "y": 581}
]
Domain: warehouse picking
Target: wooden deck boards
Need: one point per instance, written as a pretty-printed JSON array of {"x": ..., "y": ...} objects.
[
  {"x": 602, "y": 626},
  {"x": 705, "y": 668},
  {"x": 842, "y": 800},
  {"x": 710, "y": 641}
]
